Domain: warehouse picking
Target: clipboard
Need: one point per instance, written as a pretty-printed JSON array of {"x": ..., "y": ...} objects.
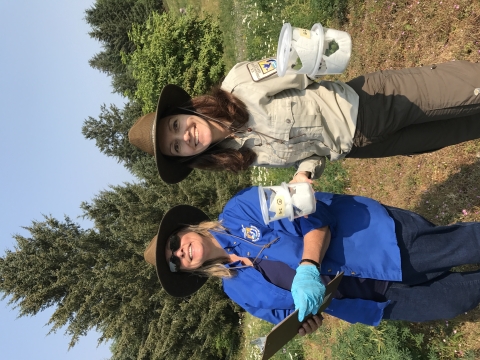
[{"x": 286, "y": 330}]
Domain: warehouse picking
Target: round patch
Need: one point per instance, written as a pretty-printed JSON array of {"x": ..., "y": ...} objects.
[{"x": 251, "y": 233}]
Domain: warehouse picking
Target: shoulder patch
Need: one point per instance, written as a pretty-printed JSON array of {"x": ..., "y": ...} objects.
[
  {"x": 251, "y": 233},
  {"x": 262, "y": 69}
]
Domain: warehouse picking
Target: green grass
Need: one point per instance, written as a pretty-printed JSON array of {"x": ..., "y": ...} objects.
[
  {"x": 254, "y": 328},
  {"x": 232, "y": 46},
  {"x": 333, "y": 180}
]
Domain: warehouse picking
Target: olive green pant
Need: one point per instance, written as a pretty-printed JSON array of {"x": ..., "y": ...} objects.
[{"x": 416, "y": 110}]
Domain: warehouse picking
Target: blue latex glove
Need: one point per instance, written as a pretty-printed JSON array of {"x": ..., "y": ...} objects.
[{"x": 307, "y": 290}]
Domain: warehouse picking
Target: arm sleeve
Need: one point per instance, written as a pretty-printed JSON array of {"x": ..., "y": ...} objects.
[
  {"x": 262, "y": 299},
  {"x": 272, "y": 316},
  {"x": 275, "y": 84},
  {"x": 270, "y": 85},
  {"x": 314, "y": 164},
  {"x": 245, "y": 206},
  {"x": 320, "y": 218}
]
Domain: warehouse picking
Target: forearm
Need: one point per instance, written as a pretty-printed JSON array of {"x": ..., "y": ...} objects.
[
  {"x": 316, "y": 243},
  {"x": 307, "y": 288}
]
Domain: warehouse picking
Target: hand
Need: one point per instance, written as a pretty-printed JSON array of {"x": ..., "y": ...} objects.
[
  {"x": 302, "y": 176},
  {"x": 311, "y": 325},
  {"x": 307, "y": 291}
]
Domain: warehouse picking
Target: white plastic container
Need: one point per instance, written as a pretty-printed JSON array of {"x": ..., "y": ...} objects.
[
  {"x": 286, "y": 201},
  {"x": 315, "y": 52}
]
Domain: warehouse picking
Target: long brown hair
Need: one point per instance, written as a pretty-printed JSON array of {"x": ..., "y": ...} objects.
[{"x": 232, "y": 113}]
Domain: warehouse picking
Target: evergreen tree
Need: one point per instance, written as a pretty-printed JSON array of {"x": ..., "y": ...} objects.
[
  {"x": 110, "y": 132},
  {"x": 110, "y": 62},
  {"x": 185, "y": 51},
  {"x": 110, "y": 21},
  {"x": 97, "y": 278}
]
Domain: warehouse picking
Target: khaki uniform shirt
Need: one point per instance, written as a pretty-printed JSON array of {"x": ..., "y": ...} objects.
[{"x": 294, "y": 121}]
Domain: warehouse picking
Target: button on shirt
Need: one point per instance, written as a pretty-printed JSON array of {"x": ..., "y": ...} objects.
[{"x": 294, "y": 120}]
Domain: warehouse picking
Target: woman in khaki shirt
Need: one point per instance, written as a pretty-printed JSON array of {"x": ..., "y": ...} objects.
[{"x": 258, "y": 118}]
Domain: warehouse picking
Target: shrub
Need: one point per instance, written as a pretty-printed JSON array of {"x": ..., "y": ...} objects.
[{"x": 185, "y": 51}]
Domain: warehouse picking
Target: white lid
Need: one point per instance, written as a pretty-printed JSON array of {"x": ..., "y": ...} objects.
[
  {"x": 263, "y": 204},
  {"x": 283, "y": 48},
  {"x": 289, "y": 208},
  {"x": 318, "y": 27}
]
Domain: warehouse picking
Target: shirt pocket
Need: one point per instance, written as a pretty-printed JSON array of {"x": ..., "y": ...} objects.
[
  {"x": 280, "y": 120},
  {"x": 294, "y": 118},
  {"x": 307, "y": 115}
]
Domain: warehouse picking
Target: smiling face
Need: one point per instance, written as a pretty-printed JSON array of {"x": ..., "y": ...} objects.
[
  {"x": 187, "y": 135},
  {"x": 194, "y": 249}
]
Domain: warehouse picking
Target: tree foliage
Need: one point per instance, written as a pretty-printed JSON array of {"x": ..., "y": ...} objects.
[
  {"x": 98, "y": 279},
  {"x": 110, "y": 132},
  {"x": 110, "y": 22},
  {"x": 185, "y": 51}
]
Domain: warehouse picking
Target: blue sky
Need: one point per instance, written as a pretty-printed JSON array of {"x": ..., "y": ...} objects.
[{"x": 47, "y": 89}]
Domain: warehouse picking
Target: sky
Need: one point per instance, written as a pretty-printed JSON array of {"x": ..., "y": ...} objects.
[{"x": 47, "y": 90}]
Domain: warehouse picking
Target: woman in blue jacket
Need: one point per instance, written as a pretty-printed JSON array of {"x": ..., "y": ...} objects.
[{"x": 396, "y": 263}]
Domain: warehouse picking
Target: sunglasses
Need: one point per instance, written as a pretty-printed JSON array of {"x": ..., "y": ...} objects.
[{"x": 174, "y": 244}]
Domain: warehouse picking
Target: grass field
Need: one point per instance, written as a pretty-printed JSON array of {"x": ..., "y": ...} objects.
[{"x": 443, "y": 186}]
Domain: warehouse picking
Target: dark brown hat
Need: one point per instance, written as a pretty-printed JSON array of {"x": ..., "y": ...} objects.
[
  {"x": 144, "y": 134},
  {"x": 178, "y": 284}
]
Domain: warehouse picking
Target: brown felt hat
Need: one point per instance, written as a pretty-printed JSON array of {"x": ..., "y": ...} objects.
[
  {"x": 144, "y": 134},
  {"x": 178, "y": 284}
]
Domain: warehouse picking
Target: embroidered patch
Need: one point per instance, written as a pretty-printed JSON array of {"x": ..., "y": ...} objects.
[
  {"x": 251, "y": 233},
  {"x": 262, "y": 69}
]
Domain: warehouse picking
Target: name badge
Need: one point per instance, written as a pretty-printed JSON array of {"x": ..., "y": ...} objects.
[{"x": 262, "y": 69}]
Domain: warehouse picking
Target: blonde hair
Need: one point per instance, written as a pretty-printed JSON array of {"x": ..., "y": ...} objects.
[
  {"x": 214, "y": 267},
  {"x": 205, "y": 227}
]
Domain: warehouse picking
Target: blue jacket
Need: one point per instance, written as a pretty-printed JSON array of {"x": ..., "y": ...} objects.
[{"x": 363, "y": 244}]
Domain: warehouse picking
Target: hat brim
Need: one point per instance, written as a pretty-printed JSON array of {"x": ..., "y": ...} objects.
[
  {"x": 169, "y": 168},
  {"x": 178, "y": 284}
]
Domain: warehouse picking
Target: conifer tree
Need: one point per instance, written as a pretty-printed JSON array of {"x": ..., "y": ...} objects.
[
  {"x": 97, "y": 278},
  {"x": 110, "y": 22},
  {"x": 110, "y": 132},
  {"x": 185, "y": 51}
]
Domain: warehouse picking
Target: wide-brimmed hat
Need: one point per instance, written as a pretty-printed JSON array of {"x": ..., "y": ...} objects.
[
  {"x": 178, "y": 284},
  {"x": 144, "y": 134}
]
